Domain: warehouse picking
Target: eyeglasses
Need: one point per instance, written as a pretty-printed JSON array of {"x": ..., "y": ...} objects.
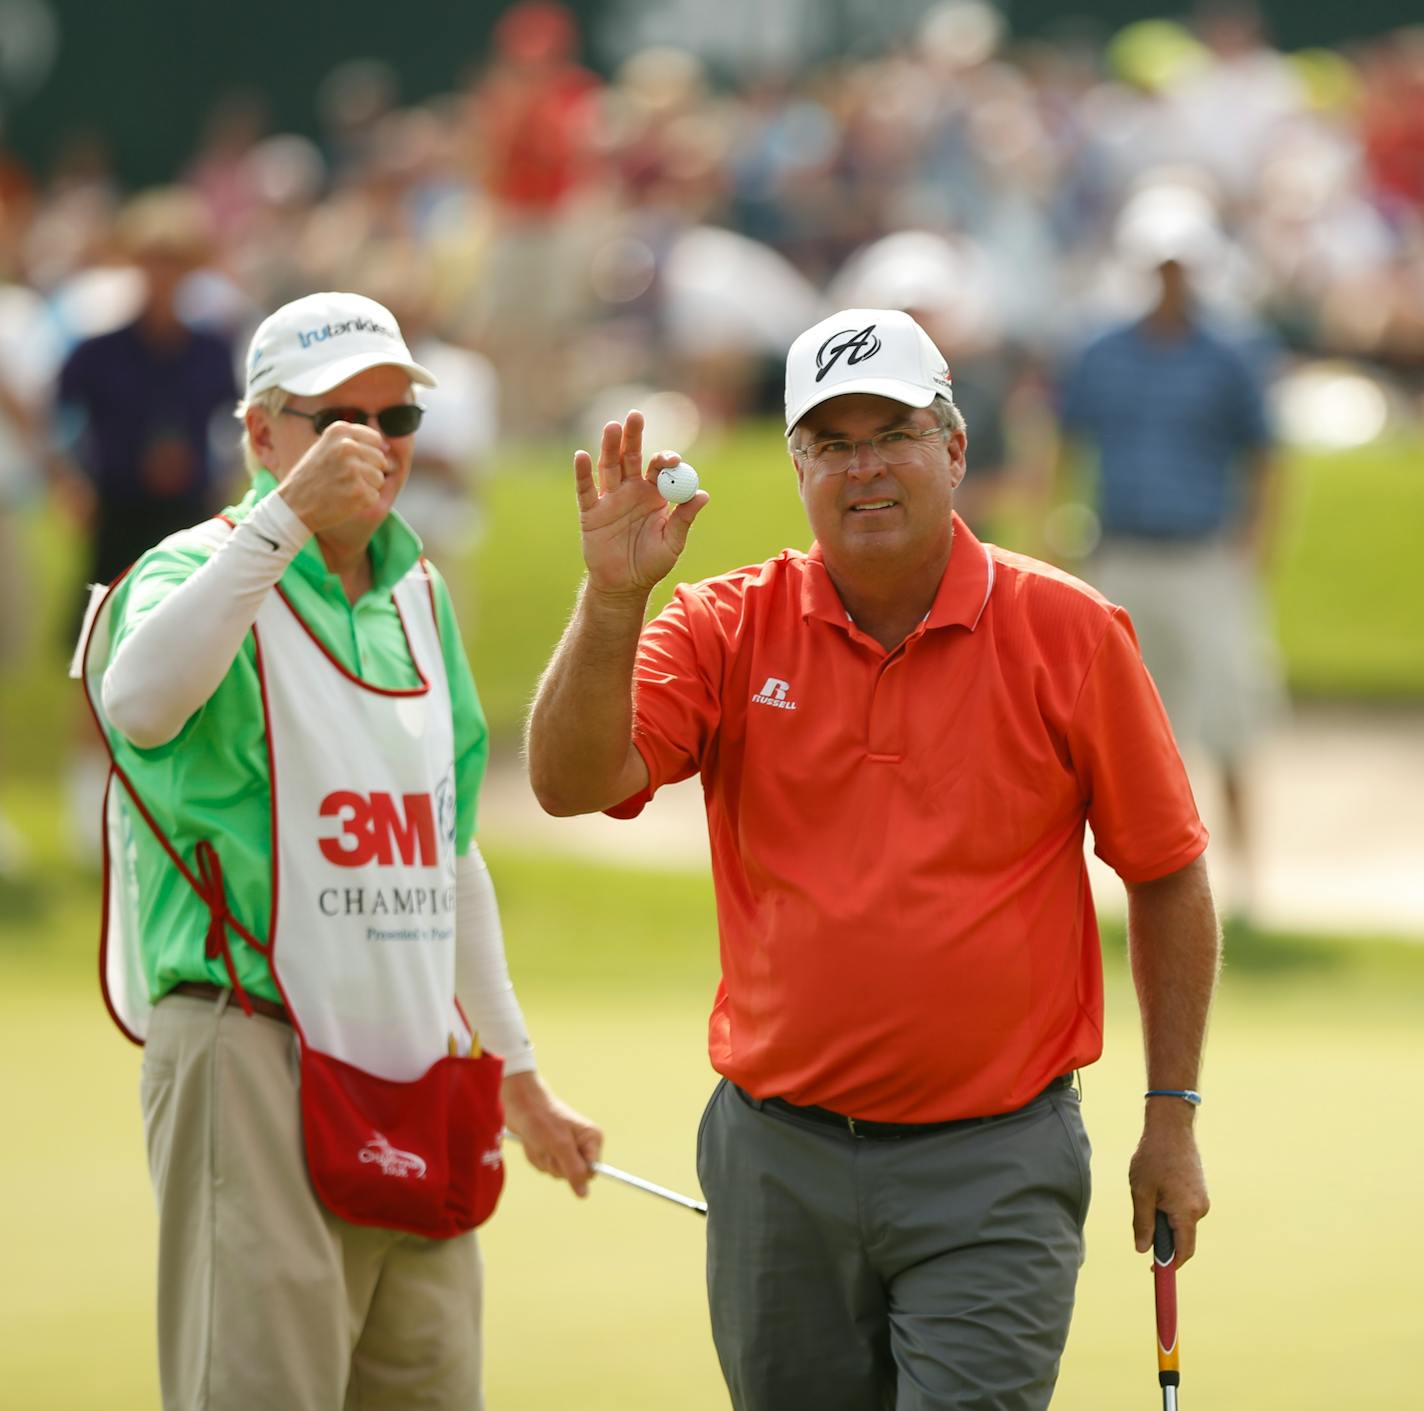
[
  {"x": 399, "y": 420},
  {"x": 836, "y": 454}
]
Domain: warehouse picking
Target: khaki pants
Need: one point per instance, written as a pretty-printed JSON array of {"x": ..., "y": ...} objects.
[
  {"x": 265, "y": 1300},
  {"x": 1200, "y": 617}
]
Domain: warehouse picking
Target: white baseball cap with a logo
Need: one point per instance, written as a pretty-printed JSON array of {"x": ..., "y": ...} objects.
[
  {"x": 881, "y": 351},
  {"x": 315, "y": 343}
]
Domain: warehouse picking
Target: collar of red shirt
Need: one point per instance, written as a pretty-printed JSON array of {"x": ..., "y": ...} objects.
[{"x": 960, "y": 602}]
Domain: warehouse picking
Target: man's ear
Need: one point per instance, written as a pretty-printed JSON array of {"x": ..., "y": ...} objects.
[
  {"x": 958, "y": 446},
  {"x": 259, "y": 430}
]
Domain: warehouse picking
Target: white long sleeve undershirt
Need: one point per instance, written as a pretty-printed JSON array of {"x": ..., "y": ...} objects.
[
  {"x": 481, "y": 972},
  {"x": 177, "y": 656}
]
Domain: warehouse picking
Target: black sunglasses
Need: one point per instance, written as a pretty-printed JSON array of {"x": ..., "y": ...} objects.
[{"x": 399, "y": 420}]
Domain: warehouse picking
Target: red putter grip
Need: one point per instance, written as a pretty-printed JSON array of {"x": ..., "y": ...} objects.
[{"x": 1164, "y": 1279}]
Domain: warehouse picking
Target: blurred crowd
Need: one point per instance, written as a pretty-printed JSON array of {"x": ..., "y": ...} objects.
[
  {"x": 556, "y": 243},
  {"x": 674, "y": 227}
]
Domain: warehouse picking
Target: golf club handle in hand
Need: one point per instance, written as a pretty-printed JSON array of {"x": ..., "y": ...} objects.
[{"x": 1164, "y": 1280}]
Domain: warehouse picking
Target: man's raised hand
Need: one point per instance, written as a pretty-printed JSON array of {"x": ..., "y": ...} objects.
[{"x": 631, "y": 536}]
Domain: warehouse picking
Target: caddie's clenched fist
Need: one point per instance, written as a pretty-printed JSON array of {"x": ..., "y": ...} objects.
[{"x": 340, "y": 478}]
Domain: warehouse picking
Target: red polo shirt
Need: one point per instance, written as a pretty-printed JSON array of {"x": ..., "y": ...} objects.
[{"x": 906, "y": 928}]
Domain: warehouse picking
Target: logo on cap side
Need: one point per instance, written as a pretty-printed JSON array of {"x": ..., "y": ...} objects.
[
  {"x": 335, "y": 330},
  {"x": 855, "y": 345}
]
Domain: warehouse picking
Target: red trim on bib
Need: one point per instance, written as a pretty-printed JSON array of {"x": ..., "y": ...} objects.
[
  {"x": 104, "y": 831},
  {"x": 208, "y": 884},
  {"x": 430, "y": 589},
  {"x": 326, "y": 651},
  {"x": 123, "y": 1028},
  {"x": 276, "y": 841}
]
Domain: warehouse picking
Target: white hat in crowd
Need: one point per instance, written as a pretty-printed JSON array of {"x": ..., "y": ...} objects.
[
  {"x": 881, "y": 351},
  {"x": 315, "y": 343},
  {"x": 1175, "y": 223}
]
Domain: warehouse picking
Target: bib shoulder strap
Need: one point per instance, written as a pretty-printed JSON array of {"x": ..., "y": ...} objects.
[{"x": 416, "y": 588}]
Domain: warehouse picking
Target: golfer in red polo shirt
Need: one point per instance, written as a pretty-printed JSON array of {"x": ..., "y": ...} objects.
[{"x": 901, "y": 735}]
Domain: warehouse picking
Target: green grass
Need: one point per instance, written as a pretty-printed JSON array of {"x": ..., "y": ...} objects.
[
  {"x": 1349, "y": 586},
  {"x": 1303, "y": 1296},
  {"x": 1345, "y": 593}
]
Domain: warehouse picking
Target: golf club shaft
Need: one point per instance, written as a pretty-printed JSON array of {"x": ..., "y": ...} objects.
[
  {"x": 613, "y": 1173},
  {"x": 686, "y": 1201},
  {"x": 1164, "y": 1283}
]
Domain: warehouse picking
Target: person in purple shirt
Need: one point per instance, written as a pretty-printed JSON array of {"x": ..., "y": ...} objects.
[
  {"x": 135, "y": 405},
  {"x": 133, "y": 412}
]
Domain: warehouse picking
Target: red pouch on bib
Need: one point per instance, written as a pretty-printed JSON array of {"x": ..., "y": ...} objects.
[{"x": 423, "y": 1157}]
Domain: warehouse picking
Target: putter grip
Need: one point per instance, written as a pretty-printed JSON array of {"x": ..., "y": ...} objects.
[{"x": 1164, "y": 1280}]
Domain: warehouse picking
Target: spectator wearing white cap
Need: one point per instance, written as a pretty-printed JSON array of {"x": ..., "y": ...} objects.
[
  {"x": 901, "y": 737},
  {"x": 300, "y": 927}
]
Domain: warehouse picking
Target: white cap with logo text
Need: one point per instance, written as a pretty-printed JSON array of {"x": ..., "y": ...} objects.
[
  {"x": 315, "y": 343},
  {"x": 881, "y": 351}
]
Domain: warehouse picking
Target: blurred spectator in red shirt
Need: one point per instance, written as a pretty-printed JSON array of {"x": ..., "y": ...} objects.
[
  {"x": 533, "y": 118},
  {"x": 534, "y": 109},
  {"x": 1392, "y": 119}
]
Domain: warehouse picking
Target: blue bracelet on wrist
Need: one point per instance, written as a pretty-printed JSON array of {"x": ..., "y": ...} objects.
[{"x": 1186, "y": 1094}]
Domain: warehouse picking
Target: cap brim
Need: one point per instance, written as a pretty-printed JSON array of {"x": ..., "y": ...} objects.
[
  {"x": 910, "y": 393},
  {"x": 329, "y": 375}
]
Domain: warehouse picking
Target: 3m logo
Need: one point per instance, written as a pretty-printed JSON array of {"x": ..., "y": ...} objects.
[
  {"x": 774, "y": 693},
  {"x": 379, "y": 828}
]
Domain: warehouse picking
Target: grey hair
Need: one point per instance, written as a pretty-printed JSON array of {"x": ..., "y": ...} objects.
[
  {"x": 949, "y": 416},
  {"x": 271, "y": 401}
]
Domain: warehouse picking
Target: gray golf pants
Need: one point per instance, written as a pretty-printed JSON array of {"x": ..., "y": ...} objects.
[{"x": 932, "y": 1273}]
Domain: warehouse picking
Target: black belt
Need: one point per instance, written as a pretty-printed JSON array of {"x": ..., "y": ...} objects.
[
  {"x": 864, "y": 1130},
  {"x": 202, "y": 989}
]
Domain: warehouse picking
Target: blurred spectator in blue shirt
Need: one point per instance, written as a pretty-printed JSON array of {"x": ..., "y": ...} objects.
[
  {"x": 1175, "y": 416},
  {"x": 134, "y": 412},
  {"x": 135, "y": 405}
]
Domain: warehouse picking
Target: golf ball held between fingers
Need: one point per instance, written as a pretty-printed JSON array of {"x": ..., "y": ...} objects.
[{"x": 677, "y": 483}]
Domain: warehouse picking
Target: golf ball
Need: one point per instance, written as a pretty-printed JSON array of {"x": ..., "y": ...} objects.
[{"x": 677, "y": 483}]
